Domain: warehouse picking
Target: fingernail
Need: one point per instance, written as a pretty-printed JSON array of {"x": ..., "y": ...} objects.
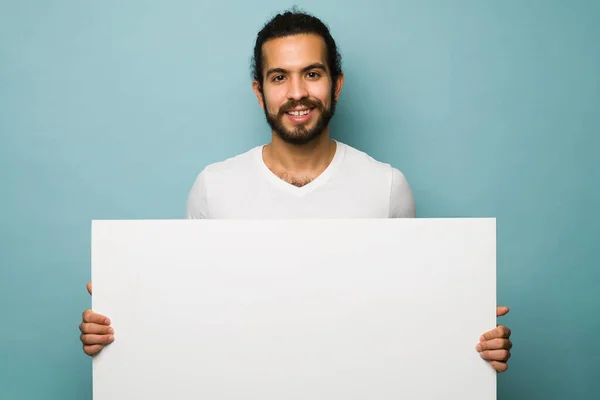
[
  {"x": 111, "y": 330},
  {"x": 111, "y": 338},
  {"x": 482, "y": 338},
  {"x": 478, "y": 347},
  {"x": 107, "y": 321}
]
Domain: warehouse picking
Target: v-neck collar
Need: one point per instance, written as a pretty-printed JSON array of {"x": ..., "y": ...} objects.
[{"x": 319, "y": 181}]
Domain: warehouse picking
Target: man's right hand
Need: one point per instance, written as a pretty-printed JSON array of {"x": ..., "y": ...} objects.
[{"x": 96, "y": 331}]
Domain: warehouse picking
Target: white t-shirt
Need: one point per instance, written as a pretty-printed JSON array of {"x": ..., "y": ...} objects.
[{"x": 354, "y": 185}]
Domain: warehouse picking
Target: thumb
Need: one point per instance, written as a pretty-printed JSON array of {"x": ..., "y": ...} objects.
[
  {"x": 89, "y": 287},
  {"x": 501, "y": 310}
]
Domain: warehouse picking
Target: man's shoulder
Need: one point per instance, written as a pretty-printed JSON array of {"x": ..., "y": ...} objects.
[
  {"x": 382, "y": 180},
  {"x": 221, "y": 178},
  {"x": 229, "y": 171},
  {"x": 233, "y": 165},
  {"x": 361, "y": 161}
]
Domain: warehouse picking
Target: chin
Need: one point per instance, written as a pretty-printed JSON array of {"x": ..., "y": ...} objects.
[{"x": 300, "y": 138}]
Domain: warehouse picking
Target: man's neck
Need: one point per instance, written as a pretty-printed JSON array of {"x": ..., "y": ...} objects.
[{"x": 309, "y": 159}]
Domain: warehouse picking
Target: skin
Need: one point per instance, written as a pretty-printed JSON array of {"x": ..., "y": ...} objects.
[
  {"x": 287, "y": 79},
  {"x": 96, "y": 331}
]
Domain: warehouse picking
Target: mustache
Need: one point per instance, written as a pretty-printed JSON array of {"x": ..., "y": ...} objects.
[{"x": 290, "y": 105}]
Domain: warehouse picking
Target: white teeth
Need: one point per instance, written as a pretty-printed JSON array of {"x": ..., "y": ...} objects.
[{"x": 299, "y": 113}]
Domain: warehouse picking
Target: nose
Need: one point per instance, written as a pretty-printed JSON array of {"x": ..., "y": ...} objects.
[{"x": 297, "y": 89}]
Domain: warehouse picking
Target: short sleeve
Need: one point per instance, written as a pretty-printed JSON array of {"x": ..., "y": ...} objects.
[
  {"x": 402, "y": 203},
  {"x": 197, "y": 204}
]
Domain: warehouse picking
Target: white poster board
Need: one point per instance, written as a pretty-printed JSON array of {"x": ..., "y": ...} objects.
[{"x": 295, "y": 309}]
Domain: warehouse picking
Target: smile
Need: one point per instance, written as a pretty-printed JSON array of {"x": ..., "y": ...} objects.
[
  {"x": 300, "y": 116},
  {"x": 299, "y": 113}
]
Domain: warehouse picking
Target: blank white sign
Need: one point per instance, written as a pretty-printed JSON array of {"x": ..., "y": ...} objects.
[{"x": 295, "y": 309}]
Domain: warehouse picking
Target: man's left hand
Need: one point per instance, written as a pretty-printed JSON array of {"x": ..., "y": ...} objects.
[{"x": 495, "y": 345}]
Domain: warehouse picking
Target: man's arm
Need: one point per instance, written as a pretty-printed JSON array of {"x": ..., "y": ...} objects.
[
  {"x": 402, "y": 203},
  {"x": 197, "y": 203}
]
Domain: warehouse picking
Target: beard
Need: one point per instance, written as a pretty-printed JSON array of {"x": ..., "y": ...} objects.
[{"x": 301, "y": 134}]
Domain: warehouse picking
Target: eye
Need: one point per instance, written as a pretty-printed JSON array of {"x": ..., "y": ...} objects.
[
  {"x": 313, "y": 75},
  {"x": 278, "y": 78}
]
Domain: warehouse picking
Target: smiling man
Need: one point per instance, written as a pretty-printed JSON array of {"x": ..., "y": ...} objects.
[{"x": 301, "y": 172}]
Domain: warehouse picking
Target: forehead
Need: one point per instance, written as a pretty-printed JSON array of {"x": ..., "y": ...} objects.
[{"x": 294, "y": 52}]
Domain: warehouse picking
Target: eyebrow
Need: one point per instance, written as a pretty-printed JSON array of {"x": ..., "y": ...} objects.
[{"x": 308, "y": 68}]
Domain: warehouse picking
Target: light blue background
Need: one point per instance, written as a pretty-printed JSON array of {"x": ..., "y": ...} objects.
[{"x": 109, "y": 109}]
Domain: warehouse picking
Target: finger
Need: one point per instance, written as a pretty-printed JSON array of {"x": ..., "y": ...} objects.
[
  {"x": 92, "y": 350},
  {"x": 495, "y": 355},
  {"x": 500, "y": 331},
  {"x": 494, "y": 344},
  {"x": 501, "y": 310},
  {"x": 96, "y": 339},
  {"x": 499, "y": 366},
  {"x": 90, "y": 316},
  {"x": 96, "y": 329},
  {"x": 89, "y": 287}
]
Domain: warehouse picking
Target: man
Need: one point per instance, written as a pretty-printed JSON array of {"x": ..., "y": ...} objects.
[{"x": 302, "y": 172}]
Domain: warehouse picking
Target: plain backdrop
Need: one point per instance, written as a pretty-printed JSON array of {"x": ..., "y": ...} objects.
[{"x": 110, "y": 109}]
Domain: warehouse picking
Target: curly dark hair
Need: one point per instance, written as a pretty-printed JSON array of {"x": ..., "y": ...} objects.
[{"x": 295, "y": 22}]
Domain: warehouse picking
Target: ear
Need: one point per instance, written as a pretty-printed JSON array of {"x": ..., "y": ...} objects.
[
  {"x": 257, "y": 92},
  {"x": 338, "y": 86}
]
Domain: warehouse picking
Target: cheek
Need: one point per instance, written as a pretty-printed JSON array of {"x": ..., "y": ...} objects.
[
  {"x": 274, "y": 99},
  {"x": 323, "y": 93}
]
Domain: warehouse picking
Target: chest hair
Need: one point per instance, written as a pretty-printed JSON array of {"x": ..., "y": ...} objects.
[{"x": 298, "y": 181}]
